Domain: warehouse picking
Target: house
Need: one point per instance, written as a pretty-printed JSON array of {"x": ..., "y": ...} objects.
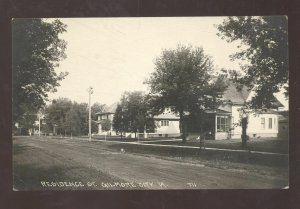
[
  {"x": 105, "y": 120},
  {"x": 167, "y": 123},
  {"x": 224, "y": 122},
  {"x": 221, "y": 123}
]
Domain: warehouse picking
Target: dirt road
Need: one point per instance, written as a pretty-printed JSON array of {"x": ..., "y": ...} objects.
[{"x": 65, "y": 164}]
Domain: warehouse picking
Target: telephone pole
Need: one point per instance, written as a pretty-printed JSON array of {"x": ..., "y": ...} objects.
[{"x": 90, "y": 90}]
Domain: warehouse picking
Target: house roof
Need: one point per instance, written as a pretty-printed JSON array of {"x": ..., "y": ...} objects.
[
  {"x": 235, "y": 95},
  {"x": 109, "y": 109},
  {"x": 165, "y": 116},
  {"x": 240, "y": 95},
  {"x": 112, "y": 108}
]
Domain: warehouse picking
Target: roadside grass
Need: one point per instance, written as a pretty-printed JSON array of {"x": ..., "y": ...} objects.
[
  {"x": 212, "y": 158},
  {"x": 265, "y": 165},
  {"x": 273, "y": 145}
]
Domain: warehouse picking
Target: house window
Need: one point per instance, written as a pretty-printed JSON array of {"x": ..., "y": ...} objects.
[
  {"x": 263, "y": 123},
  {"x": 270, "y": 123},
  {"x": 164, "y": 123},
  {"x": 222, "y": 123}
]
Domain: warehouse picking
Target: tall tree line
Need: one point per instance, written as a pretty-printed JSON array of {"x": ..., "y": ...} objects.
[{"x": 64, "y": 117}]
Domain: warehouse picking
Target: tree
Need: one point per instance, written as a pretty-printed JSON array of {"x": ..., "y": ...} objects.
[
  {"x": 73, "y": 125},
  {"x": 67, "y": 117},
  {"x": 36, "y": 52},
  {"x": 132, "y": 113},
  {"x": 264, "y": 44},
  {"x": 56, "y": 115},
  {"x": 183, "y": 82}
]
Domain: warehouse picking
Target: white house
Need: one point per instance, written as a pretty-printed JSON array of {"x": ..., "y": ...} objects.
[
  {"x": 222, "y": 123},
  {"x": 227, "y": 117},
  {"x": 167, "y": 123},
  {"x": 106, "y": 117}
]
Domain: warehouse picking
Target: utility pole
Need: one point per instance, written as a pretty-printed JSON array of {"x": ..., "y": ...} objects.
[{"x": 90, "y": 90}]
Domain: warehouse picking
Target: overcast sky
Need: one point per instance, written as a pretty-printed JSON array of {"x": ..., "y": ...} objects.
[{"x": 114, "y": 55}]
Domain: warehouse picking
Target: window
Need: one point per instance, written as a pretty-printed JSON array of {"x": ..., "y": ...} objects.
[
  {"x": 164, "y": 123},
  {"x": 222, "y": 123},
  {"x": 263, "y": 123},
  {"x": 270, "y": 123}
]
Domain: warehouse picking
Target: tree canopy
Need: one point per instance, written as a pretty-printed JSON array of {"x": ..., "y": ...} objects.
[
  {"x": 264, "y": 45},
  {"x": 183, "y": 81},
  {"x": 37, "y": 50},
  {"x": 133, "y": 113},
  {"x": 70, "y": 118}
]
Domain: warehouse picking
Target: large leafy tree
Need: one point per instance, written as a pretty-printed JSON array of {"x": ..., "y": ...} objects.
[
  {"x": 264, "y": 47},
  {"x": 37, "y": 50},
  {"x": 133, "y": 113},
  {"x": 67, "y": 117},
  {"x": 183, "y": 81},
  {"x": 56, "y": 115}
]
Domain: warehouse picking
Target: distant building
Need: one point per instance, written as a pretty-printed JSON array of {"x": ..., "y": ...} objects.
[
  {"x": 167, "y": 123},
  {"x": 105, "y": 118}
]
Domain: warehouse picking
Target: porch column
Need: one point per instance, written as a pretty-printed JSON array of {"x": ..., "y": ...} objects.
[
  {"x": 99, "y": 128},
  {"x": 216, "y": 130},
  {"x": 111, "y": 128}
]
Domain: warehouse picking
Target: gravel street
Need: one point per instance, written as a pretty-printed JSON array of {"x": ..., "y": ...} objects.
[{"x": 71, "y": 164}]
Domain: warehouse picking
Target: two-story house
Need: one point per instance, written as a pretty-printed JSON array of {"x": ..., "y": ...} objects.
[{"x": 225, "y": 120}]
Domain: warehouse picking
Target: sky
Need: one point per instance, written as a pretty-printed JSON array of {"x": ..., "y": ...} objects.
[{"x": 114, "y": 55}]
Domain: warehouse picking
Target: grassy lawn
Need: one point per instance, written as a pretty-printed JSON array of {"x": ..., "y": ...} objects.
[
  {"x": 263, "y": 164},
  {"x": 263, "y": 144},
  {"x": 273, "y": 145}
]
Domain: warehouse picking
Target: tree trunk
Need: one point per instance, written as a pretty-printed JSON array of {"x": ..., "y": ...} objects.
[
  {"x": 244, "y": 131},
  {"x": 182, "y": 127}
]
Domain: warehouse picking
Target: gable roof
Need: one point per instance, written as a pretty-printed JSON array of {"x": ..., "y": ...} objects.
[
  {"x": 109, "y": 109},
  {"x": 235, "y": 95},
  {"x": 112, "y": 108},
  {"x": 241, "y": 95}
]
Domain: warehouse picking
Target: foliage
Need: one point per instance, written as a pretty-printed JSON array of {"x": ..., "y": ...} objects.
[
  {"x": 56, "y": 115},
  {"x": 36, "y": 52},
  {"x": 70, "y": 118},
  {"x": 133, "y": 113},
  {"x": 184, "y": 82},
  {"x": 264, "y": 44}
]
